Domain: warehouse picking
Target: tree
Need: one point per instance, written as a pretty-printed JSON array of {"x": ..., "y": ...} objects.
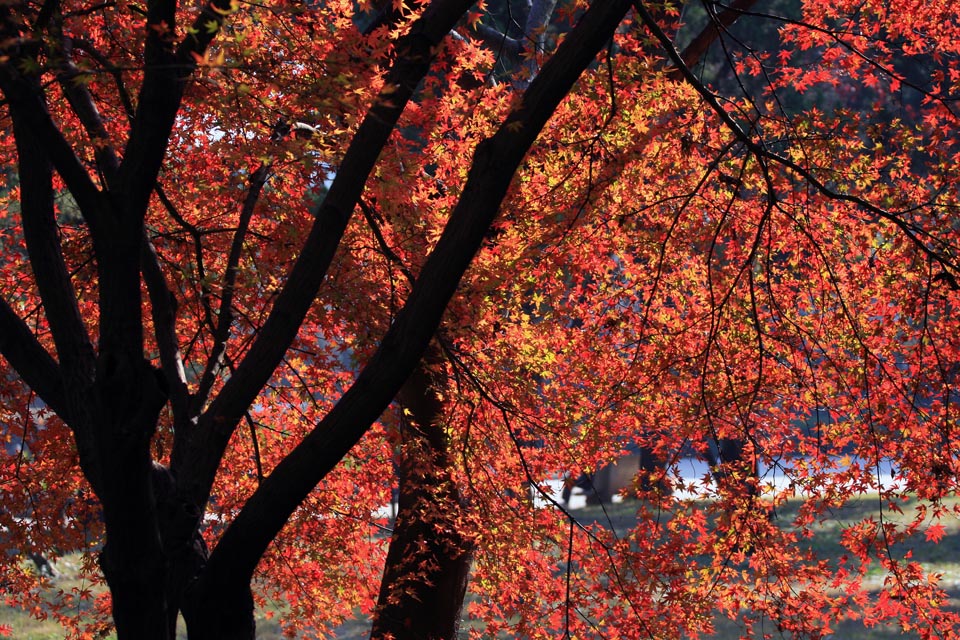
[{"x": 593, "y": 243}]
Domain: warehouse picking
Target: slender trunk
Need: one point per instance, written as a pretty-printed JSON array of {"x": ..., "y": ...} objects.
[{"x": 425, "y": 577}]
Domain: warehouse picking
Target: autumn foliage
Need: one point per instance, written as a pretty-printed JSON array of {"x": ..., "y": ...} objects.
[{"x": 220, "y": 225}]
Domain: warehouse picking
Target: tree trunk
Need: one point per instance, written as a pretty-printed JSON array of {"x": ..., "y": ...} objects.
[
  {"x": 128, "y": 396},
  {"x": 735, "y": 469},
  {"x": 425, "y": 577},
  {"x": 135, "y": 574},
  {"x": 221, "y": 612},
  {"x": 653, "y": 471},
  {"x": 184, "y": 549}
]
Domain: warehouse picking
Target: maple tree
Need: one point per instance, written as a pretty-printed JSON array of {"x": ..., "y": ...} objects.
[{"x": 552, "y": 230}]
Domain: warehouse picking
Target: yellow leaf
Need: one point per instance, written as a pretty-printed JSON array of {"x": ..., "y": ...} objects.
[{"x": 233, "y": 8}]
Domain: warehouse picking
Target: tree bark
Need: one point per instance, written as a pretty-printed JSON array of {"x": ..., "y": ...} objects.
[
  {"x": 225, "y": 613},
  {"x": 128, "y": 396},
  {"x": 429, "y": 557}
]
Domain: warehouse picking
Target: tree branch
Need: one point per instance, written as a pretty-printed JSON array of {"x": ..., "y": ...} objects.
[
  {"x": 33, "y": 364},
  {"x": 165, "y": 74},
  {"x": 533, "y": 37},
  {"x": 46, "y": 13},
  {"x": 500, "y": 42},
  {"x": 385, "y": 249},
  {"x": 197, "y": 237},
  {"x": 80, "y": 99},
  {"x": 163, "y": 308},
  {"x": 225, "y": 315},
  {"x": 415, "y": 53},
  {"x": 115, "y": 71},
  {"x": 42, "y": 238},
  {"x": 161, "y": 94},
  {"x": 537, "y": 22},
  {"x": 494, "y": 164},
  {"x": 761, "y": 151},
  {"x": 27, "y": 100},
  {"x": 167, "y": 69},
  {"x": 83, "y": 105},
  {"x": 694, "y": 51}
]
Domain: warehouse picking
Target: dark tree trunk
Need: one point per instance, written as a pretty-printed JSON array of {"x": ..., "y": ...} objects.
[
  {"x": 653, "y": 471},
  {"x": 732, "y": 470},
  {"x": 219, "y": 612},
  {"x": 425, "y": 577},
  {"x": 128, "y": 397},
  {"x": 134, "y": 570},
  {"x": 185, "y": 553}
]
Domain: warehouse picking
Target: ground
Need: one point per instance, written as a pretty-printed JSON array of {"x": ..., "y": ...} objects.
[{"x": 943, "y": 558}]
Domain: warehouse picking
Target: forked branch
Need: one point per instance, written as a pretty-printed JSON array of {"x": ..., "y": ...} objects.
[
  {"x": 415, "y": 52},
  {"x": 494, "y": 164}
]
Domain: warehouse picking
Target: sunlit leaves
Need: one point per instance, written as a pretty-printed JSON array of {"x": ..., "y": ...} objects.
[{"x": 651, "y": 284}]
